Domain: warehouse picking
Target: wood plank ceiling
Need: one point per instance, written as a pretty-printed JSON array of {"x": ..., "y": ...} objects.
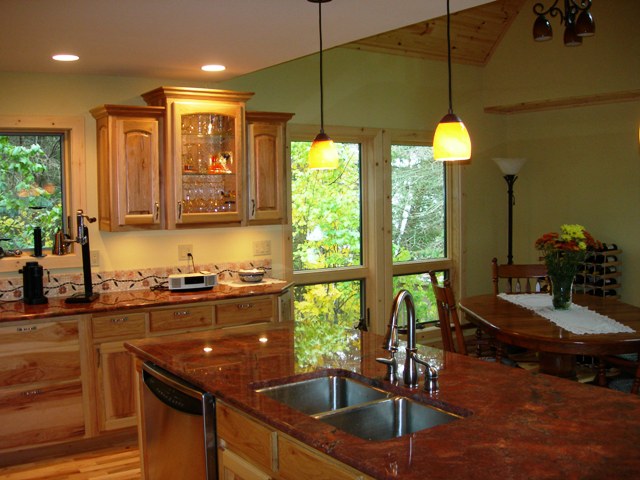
[{"x": 475, "y": 34}]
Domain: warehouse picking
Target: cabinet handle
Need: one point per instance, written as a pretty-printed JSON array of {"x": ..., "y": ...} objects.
[
  {"x": 30, "y": 328},
  {"x": 245, "y": 306},
  {"x": 179, "y": 210},
  {"x": 32, "y": 393},
  {"x": 253, "y": 208},
  {"x": 119, "y": 320},
  {"x": 157, "y": 207},
  {"x": 183, "y": 313}
]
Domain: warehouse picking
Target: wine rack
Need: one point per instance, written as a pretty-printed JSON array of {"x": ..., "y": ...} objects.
[{"x": 600, "y": 273}]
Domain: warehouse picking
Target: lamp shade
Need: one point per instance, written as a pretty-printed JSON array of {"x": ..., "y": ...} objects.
[
  {"x": 571, "y": 38},
  {"x": 451, "y": 142},
  {"x": 585, "y": 26},
  {"x": 542, "y": 29},
  {"x": 323, "y": 154},
  {"x": 510, "y": 166}
]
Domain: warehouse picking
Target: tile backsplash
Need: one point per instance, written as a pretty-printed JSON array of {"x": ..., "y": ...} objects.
[{"x": 62, "y": 285}]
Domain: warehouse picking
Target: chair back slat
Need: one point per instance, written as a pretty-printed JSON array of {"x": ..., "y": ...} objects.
[
  {"x": 448, "y": 316},
  {"x": 519, "y": 278}
]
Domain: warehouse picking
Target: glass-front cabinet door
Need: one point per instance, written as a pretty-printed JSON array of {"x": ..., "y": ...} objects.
[{"x": 207, "y": 163}]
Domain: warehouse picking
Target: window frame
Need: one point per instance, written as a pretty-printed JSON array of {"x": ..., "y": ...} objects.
[
  {"x": 74, "y": 179},
  {"x": 378, "y": 268},
  {"x": 452, "y": 262}
]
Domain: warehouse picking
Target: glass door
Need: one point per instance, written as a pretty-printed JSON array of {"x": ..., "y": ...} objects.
[{"x": 208, "y": 163}]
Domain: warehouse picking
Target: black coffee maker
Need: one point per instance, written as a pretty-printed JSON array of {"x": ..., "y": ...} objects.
[{"x": 32, "y": 274}]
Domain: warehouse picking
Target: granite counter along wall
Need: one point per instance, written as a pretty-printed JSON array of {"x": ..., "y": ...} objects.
[{"x": 62, "y": 285}]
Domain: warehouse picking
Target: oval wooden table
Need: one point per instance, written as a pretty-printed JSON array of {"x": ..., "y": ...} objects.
[{"x": 511, "y": 324}]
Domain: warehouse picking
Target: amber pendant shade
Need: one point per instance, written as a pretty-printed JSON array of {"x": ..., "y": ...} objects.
[
  {"x": 451, "y": 142},
  {"x": 323, "y": 154}
]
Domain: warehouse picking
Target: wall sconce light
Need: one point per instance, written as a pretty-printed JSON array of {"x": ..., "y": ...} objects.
[
  {"x": 577, "y": 19},
  {"x": 323, "y": 154},
  {"x": 510, "y": 168},
  {"x": 451, "y": 141}
]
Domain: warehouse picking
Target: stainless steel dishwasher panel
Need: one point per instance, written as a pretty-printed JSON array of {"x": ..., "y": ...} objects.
[{"x": 178, "y": 428}]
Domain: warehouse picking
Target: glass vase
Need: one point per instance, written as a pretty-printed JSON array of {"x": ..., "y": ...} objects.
[{"x": 561, "y": 291}]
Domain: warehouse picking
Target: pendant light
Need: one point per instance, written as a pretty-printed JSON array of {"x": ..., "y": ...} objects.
[
  {"x": 323, "y": 154},
  {"x": 451, "y": 142}
]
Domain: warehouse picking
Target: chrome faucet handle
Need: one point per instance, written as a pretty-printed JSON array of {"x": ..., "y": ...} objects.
[
  {"x": 392, "y": 366},
  {"x": 430, "y": 375}
]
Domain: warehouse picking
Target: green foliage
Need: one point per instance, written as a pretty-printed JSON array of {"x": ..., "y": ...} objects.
[
  {"x": 30, "y": 179},
  {"x": 418, "y": 204},
  {"x": 326, "y": 213},
  {"x": 326, "y": 210},
  {"x": 325, "y": 316}
]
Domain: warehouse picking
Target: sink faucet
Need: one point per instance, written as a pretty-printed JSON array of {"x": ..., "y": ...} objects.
[{"x": 410, "y": 375}]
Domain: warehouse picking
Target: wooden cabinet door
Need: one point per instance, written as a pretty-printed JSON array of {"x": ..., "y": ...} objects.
[
  {"x": 205, "y": 173},
  {"x": 116, "y": 386},
  {"x": 128, "y": 167},
  {"x": 40, "y": 415},
  {"x": 245, "y": 311},
  {"x": 233, "y": 467},
  {"x": 267, "y": 167}
]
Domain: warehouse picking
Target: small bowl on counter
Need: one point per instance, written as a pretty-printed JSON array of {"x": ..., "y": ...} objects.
[{"x": 253, "y": 275}]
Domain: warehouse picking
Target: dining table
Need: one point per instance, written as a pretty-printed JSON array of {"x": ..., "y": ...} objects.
[{"x": 508, "y": 322}]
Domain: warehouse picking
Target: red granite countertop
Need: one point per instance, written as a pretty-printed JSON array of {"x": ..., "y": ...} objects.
[
  {"x": 106, "y": 302},
  {"x": 517, "y": 425}
]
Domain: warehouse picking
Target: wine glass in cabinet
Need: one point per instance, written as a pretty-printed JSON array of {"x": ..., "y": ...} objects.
[{"x": 204, "y": 163}]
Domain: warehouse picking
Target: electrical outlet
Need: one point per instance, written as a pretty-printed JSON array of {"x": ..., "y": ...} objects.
[
  {"x": 262, "y": 247},
  {"x": 95, "y": 258},
  {"x": 184, "y": 251}
]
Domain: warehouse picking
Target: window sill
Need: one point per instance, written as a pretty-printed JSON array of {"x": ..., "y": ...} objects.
[{"x": 48, "y": 262}]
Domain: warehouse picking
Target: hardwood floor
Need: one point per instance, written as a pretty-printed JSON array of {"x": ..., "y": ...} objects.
[{"x": 121, "y": 463}]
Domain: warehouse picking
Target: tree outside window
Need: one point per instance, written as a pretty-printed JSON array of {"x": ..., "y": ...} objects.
[{"x": 31, "y": 184}]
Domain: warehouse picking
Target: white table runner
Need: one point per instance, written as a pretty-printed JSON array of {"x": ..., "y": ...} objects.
[{"x": 577, "y": 319}]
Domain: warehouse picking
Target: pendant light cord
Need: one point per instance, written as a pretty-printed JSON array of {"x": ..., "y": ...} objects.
[
  {"x": 448, "y": 55},
  {"x": 321, "y": 82}
]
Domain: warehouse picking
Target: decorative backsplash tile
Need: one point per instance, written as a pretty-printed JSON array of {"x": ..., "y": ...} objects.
[{"x": 62, "y": 285}]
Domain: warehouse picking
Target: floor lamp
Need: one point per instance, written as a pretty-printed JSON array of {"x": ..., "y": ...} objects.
[{"x": 510, "y": 168}]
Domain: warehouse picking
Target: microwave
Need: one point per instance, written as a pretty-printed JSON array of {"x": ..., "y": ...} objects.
[{"x": 192, "y": 281}]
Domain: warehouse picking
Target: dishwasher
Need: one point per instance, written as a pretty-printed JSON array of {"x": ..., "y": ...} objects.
[{"x": 178, "y": 428}]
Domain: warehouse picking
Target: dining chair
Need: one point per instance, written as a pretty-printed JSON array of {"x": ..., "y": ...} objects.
[
  {"x": 519, "y": 278},
  {"x": 449, "y": 322},
  {"x": 628, "y": 363}
]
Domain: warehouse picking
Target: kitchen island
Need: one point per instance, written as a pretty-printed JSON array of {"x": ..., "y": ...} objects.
[{"x": 512, "y": 425}]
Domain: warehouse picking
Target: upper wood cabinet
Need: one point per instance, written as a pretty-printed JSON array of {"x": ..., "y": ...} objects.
[
  {"x": 266, "y": 153},
  {"x": 192, "y": 158},
  {"x": 204, "y": 146},
  {"x": 128, "y": 142}
]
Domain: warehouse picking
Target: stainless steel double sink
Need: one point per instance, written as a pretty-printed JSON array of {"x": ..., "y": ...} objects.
[{"x": 357, "y": 408}]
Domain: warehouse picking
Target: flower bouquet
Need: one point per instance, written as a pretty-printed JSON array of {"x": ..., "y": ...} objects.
[{"x": 563, "y": 253}]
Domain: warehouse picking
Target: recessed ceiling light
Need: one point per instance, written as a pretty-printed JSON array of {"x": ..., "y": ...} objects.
[
  {"x": 213, "y": 68},
  {"x": 65, "y": 57}
]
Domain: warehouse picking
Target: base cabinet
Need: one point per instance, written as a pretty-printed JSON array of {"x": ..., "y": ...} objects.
[
  {"x": 233, "y": 467},
  {"x": 41, "y": 391},
  {"x": 41, "y": 415},
  {"x": 115, "y": 380},
  {"x": 257, "y": 451}
]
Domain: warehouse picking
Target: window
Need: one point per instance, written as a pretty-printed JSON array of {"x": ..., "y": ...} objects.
[
  {"x": 364, "y": 231},
  {"x": 42, "y": 171},
  {"x": 418, "y": 218},
  {"x": 31, "y": 182},
  {"x": 328, "y": 252}
]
